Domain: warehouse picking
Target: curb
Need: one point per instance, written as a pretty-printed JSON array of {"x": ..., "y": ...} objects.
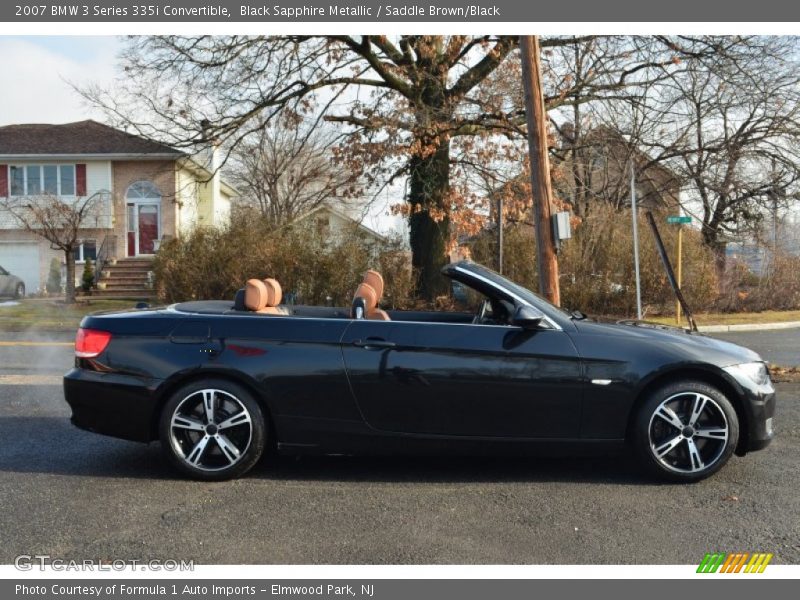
[{"x": 748, "y": 327}]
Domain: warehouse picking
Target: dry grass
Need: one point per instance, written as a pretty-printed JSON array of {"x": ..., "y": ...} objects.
[
  {"x": 53, "y": 315},
  {"x": 767, "y": 316}
]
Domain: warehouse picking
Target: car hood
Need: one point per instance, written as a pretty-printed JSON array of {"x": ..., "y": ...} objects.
[{"x": 711, "y": 349}]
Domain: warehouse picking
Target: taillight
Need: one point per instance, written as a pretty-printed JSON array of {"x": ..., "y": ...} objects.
[{"x": 89, "y": 343}]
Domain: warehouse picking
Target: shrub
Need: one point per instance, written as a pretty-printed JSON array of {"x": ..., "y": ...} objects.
[
  {"x": 87, "y": 279},
  {"x": 312, "y": 269},
  {"x": 777, "y": 288},
  {"x": 53, "y": 285},
  {"x": 596, "y": 265},
  {"x": 597, "y": 269}
]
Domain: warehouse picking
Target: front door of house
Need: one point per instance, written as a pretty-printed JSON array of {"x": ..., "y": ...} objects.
[{"x": 143, "y": 227}]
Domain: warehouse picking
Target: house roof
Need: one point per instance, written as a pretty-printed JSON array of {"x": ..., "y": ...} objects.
[
  {"x": 193, "y": 164},
  {"x": 81, "y": 138},
  {"x": 325, "y": 207}
]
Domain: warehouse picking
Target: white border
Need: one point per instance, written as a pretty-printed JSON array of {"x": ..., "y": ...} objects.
[
  {"x": 373, "y": 27},
  {"x": 403, "y": 571},
  {"x": 412, "y": 572}
]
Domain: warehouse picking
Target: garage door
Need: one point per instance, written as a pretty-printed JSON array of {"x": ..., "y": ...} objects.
[{"x": 22, "y": 259}]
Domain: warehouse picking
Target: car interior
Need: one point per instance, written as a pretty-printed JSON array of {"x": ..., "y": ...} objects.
[{"x": 265, "y": 296}]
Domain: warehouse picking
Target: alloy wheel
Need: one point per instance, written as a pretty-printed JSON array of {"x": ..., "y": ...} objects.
[
  {"x": 211, "y": 430},
  {"x": 688, "y": 432}
]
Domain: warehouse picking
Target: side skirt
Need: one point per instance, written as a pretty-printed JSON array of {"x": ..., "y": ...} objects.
[{"x": 299, "y": 436}]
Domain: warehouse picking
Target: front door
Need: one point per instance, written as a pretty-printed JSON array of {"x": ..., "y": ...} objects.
[
  {"x": 143, "y": 227},
  {"x": 464, "y": 379}
]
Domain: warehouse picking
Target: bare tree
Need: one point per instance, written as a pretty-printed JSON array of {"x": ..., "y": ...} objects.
[
  {"x": 419, "y": 106},
  {"x": 730, "y": 128},
  {"x": 59, "y": 221},
  {"x": 287, "y": 169}
]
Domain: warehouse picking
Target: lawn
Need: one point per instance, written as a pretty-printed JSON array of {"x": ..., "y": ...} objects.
[
  {"x": 768, "y": 316},
  {"x": 50, "y": 314}
]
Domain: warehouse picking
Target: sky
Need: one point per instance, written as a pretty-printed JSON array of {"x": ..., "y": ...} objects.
[
  {"x": 37, "y": 70},
  {"x": 37, "y": 78}
]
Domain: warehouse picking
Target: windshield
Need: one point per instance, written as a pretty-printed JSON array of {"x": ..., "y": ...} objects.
[{"x": 523, "y": 293}]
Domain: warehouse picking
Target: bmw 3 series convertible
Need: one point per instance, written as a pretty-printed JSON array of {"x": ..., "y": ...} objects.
[{"x": 221, "y": 383}]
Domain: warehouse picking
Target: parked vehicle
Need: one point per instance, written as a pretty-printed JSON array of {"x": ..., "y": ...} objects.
[
  {"x": 220, "y": 382},
  {"x": 11, "y": 285}
]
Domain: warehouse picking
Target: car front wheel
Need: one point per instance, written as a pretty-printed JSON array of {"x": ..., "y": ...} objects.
[
  {"x": 686, "y": 431},
  {"x": 212, "y": 430},
  {"x": 19, "y": 293}
]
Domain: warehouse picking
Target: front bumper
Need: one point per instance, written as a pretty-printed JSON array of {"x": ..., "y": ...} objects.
[
  {"x": 121, "y": 406},
  {"x": 760, "y": 407}
]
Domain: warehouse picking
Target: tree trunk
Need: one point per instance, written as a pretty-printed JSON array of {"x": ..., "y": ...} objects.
[
  {"x": 429, "y": 235},
  {"x": 719, "y": 248},
  {"x": 69, "y": 293}
]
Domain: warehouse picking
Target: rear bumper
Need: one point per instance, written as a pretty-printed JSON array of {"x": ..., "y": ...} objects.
[{"x": 117, "y": 405}]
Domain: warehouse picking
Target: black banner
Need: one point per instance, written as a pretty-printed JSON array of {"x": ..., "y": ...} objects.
[
  {"x": 392, "y": 589},
  {"x": 356, "y": 11}
]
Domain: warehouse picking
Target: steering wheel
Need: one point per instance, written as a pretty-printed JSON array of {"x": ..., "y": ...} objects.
[{"x": 481, "y": 312}]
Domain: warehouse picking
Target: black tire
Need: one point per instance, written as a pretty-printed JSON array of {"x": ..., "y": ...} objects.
[
  {"x": 700, "y": 446},
  {"x": 227, "y": 450},
  {"x": 19, "y": 293}
]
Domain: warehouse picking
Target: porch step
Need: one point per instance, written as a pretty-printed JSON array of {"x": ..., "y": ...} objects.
[
  {"x": 124, "y": 291},
  {"x": 127, "y": 278},
  {"x": 135, "y": 259},
  {"x": 126, "y": 285},
  {"x": 125, "y": 272}
]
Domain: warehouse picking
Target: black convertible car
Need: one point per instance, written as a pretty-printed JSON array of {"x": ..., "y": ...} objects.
[{"x": 219, "y": 382}]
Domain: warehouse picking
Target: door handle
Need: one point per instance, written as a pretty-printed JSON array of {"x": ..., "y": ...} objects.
[{"x": 376, "y": 343}]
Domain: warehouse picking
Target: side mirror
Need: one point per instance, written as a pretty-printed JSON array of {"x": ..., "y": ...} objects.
[{"x": 527, "y": 317}]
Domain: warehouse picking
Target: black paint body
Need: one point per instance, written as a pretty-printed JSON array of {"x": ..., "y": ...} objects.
[{"x": 423, "y": 382}]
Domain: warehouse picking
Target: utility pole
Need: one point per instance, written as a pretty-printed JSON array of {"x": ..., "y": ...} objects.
[
  {"x": 540, "y": 168},
  {"x": 500, "y": 234},
  {"x": 679, "y": 273},
  {"x": 636, "y": 245}
]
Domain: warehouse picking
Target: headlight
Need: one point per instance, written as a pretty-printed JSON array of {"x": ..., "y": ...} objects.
[{"x": 754, "y": 371}]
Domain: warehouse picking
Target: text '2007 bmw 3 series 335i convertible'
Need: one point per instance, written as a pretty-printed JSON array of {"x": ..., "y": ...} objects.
[{"x": 221, "y": 383}]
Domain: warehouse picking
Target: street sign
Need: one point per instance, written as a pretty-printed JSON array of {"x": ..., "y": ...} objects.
[{"x": 674, "y": 220}]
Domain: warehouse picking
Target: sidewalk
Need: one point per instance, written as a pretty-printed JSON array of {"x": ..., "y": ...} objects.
[{"x": 748, "y": 327}]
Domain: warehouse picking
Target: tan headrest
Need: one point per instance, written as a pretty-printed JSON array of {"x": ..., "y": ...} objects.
[
  {"x": 367, "y": 292},
  {"x": 275, "y": 292},
  {"x": 256, "y": 294},
  {"x": 374, "y": 279}
]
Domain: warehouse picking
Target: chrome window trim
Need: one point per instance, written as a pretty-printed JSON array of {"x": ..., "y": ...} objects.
[
  {"x": 551, "y": 323},
  {"x": 492, "y": 284}
]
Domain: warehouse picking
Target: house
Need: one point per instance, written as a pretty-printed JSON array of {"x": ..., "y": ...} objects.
[
  {"x": 335, "y": 224},
  {"x": 603, "y": 165},
  {"x": 146, "y": 192}
]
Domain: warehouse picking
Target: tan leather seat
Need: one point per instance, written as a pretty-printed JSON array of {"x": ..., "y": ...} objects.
[
  {"x": 374, "y": 279},
  {"x": 371, "y": 292},
  {"x": 263, "y": 296}
]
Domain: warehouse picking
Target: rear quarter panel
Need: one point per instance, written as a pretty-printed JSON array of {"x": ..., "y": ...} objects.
[{"x": 293, "y": 365}]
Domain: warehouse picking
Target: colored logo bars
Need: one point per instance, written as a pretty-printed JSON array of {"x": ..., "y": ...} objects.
[{"x": 737, "y": 562}]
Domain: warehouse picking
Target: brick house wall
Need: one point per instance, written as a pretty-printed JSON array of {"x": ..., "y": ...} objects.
[{"x": 162, "y": 175}]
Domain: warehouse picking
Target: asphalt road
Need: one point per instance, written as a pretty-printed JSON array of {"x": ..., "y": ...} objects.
[
  {"x": 779, "y": 346},
  {"x": 75, "y": 495}
]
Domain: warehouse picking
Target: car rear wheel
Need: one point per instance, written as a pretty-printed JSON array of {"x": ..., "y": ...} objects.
[
  {"x": 19, "y": 293},
  {"x": 212, "y": 430},
  {"x": 686, "y": 431}
]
